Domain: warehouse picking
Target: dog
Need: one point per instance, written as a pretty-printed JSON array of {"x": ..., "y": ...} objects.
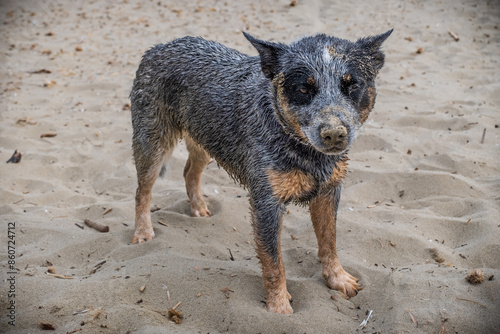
[{"x": 280, "y": 123}]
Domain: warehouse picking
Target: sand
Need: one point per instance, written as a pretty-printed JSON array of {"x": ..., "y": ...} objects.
[{"x": 419, "y": 209}]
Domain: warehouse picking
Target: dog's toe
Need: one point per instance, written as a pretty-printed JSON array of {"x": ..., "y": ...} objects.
[
  {"x": 344, "y": 282},
  {"x": 201, "y": 213},
  {"x": 139, "y": 238}
]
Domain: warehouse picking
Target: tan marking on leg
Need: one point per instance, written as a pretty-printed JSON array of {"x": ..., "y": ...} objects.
[
  {"x": 290, "y": 185},
  {"x": 143, "y": 226},
  {"x": 274, "y": 276},
  {"x": 365, "y": 112},
  {"x": 197, "y": 160},
  {"x": 323, "y": 218},
  {"x": 148, "y": 169}
]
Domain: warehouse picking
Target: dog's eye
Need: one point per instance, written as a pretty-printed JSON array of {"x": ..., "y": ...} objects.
[{"x": 303, "y": 90}]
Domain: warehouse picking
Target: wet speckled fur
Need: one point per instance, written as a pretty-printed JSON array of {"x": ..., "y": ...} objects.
[{"x": 280, "y": 124}]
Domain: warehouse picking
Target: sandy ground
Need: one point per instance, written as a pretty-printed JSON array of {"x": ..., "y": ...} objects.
[{"x": 420, "y": 206}]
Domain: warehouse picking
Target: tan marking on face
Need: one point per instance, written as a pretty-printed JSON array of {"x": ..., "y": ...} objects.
[
  {"x": 365, "y": 112},
  {"x": 335, "y": 54},
  {"x": 286, "y": 114},
  {"x": 347, "y": 77},
  {"x": 290, "y": 185},
  {"x": 311, "y": 81},
  {"x": 332, "y": 52}
]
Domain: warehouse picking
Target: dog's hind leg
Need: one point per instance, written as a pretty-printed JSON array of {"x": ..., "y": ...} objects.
[
  {"x": 197, "y": 160},
  {"x": 148, "y": 167},
  {"x": 324, "y": 215}
]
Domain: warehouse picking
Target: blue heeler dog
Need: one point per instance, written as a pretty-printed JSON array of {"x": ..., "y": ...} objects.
[{"x": 280, "y": 123}]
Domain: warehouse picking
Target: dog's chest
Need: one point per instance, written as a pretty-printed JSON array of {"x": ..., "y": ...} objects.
[{"x": 297, "y": 185}]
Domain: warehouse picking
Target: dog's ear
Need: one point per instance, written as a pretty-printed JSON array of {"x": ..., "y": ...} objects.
[
  {"x": 371, "y": 45},
  {"x": 269, "y": 55}
]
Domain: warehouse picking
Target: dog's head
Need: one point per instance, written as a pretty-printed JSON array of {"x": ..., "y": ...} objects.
[{"x": 324, "y": 87}]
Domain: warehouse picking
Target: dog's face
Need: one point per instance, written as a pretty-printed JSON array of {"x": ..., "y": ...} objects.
[{"x": 324, "y": 87}]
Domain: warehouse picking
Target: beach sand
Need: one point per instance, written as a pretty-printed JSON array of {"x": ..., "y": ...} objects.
[{"x": 419, "y": 208}]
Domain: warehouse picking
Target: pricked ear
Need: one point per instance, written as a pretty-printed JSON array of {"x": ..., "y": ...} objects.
[
  {"x": 269, "y": 55},
  {"x": 371, "y": 45}
]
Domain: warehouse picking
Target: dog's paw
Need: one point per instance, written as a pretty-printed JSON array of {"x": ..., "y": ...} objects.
[
  {"x": 280, "y": 303},
  {"x": 143, "y": 236},
  {"x": 200, "y": 212},
  {"x": 343, "y": 282},
  {"x": 282, "y": 306}
]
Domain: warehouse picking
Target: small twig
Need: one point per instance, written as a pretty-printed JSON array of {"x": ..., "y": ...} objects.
[
  {"x": 80, "y": 226},
  {"x": 454, "y": 35},
  {"x": 60, "y": 276},
  {"x": 231, "y": 255},
  {"x": 473, "y": 301},
  {"x": 57, "y": 217},
  {"x": 162, "y": 223},
  {"x": 80, "y": 312},
  {"x": 97, "y": 267},
  {"x": 96, "y": 226},
  {"x": 484, "y": 134},
  {"x": 365, "y": 322},
  {"x": 413, "y": 318},
  {"x": 48, "y": 135},
  {"x": 443, "y": 320},
  {"x": 377, "y": 203},
  {"x": 176, "y": 306}
]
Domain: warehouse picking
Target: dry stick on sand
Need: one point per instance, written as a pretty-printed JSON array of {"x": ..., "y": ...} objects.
[
  {"x": 454, "y": 35},
  {"x": 60, "y": 276},
  {"x": 473, "y": 301},
  {"x": 231, "y": 255},
  {"x": 484, "y": 134},
  {"x": 96, "y": 226},
  {"x": 162, "y": 223},
  {"x": 97, "y": 267}
]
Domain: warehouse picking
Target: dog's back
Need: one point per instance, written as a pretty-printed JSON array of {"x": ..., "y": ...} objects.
[{"x": 195, "y": 86}]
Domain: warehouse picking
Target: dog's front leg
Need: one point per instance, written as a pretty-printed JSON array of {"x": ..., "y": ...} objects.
[
  {"x": 324, "y": 215},
  {"x": 267, "y": 216}
]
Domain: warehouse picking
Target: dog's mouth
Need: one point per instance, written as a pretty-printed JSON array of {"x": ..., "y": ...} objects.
[{"x": 336, "y": 150}]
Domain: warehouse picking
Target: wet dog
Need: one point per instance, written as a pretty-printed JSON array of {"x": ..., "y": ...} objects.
[{"x": 280, "y": 124}]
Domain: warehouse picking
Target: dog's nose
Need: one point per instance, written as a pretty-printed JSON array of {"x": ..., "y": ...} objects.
[{"x": 334, "y": 136}]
